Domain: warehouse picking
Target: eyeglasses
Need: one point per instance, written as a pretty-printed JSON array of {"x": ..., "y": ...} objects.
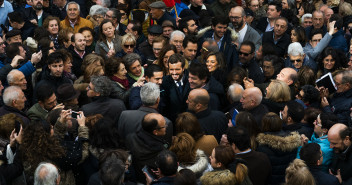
[
  {"x": 236, "y": 18},
  {"x": 298, "y": 60},
  {"x": 245, "y": 54},
  {"x": 128, "y": 46}
]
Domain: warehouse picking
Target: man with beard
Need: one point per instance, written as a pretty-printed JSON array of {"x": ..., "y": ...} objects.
[
  {"x": 73, "y": 20},
  {"x": 176, "y": 87},
  {"x": 245, "y": 32},
  {"x": 34, "y": 16},
  {"x": 188, "y": 26},
  {"x": 278, "y": 37},
  {"x": 78, "y": 51},
  {"x": 339, "y": 137}
]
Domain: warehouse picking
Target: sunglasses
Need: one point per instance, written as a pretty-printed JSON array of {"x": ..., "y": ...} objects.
[
  {"x": 128, "y": 46},
  {"x": 245, "y": 54},
  {"x": 298, "y": 60}
]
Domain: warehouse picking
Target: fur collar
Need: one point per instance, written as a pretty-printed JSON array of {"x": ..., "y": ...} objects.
[
  {"x": 234, "y": 34},
  {"x": 200, "y": 164},
  {"x": 284, "y": 143}
]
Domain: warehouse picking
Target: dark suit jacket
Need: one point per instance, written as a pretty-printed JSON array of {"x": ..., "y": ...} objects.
[
  {"x": 281, "y": 45},
  {"x": 108, "y": 107},
  {"x": 130, "y": 122},
  {"x": 28, "y": 28}
]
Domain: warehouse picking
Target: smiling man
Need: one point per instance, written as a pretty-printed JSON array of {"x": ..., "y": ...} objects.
[{"x": 73, "y": 20}]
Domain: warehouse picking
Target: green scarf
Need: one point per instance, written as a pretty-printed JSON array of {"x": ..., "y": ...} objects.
[{"x": 136, "y": 77}]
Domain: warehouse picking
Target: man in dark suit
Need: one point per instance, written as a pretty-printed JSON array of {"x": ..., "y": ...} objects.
[
  {"x": 34, "y": 16},
  {"x": 266, "y": 24},
  {"x": 278, "y": 37},
  {"x": 245, "y": 32},
  {"x": 130, "y": 120},
  {"x": 99, "y": 90},
  {"x": 176, "y": 87}
]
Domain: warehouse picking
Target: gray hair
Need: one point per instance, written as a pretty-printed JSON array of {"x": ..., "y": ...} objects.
[
  {"x": 72, "y": 2},
  {"x": 130, "y": 58},
  {"x": 175, "y": 33},
  {"x": 46, "y": 174},
  {"x": 307, "y": 15},
  {"x": 150, "y": 93},
  {"x": 101, "y": 11},
  {"x": 212, "y": 47},
  {"x": 295, "y": 49},
  {"x": 105, "y": 3},
  {"x": 11, "y": 93},
  {"x": 102, "y": 85},
  {"x": 235, "y": 92},
  {"x": 94, "y": 9},
  {"x": 347, "y": 77},
  {"x": 11, "y": 75}
]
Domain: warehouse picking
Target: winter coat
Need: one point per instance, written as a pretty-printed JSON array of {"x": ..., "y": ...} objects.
[
  {"x": 281, "y": 148},
  {"x": 216, "y": 93},
  {"x": 102, "y": 48},
  {"x": 343, "y": 161},
  {"x": 338, "y": 41},
  {"x": 199, "y": 166},
  {"x": 80, "y": 23},
  {"x": 340, "y": 105}
]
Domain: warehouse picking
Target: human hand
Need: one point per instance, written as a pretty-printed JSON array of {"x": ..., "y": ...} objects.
[
  {"x": 111, "y": 53},
  {"x": 13, "y": 138},
  {"x": 64, "y": 116},
  {"x": 36, "y": 57},
  {"x": 14, "y": 62},
  {"x": 324, "y": 92},
  {"x": 33, "y": 21},
  {"x": 59, "y": 106},
  {"x": 224, "y": 140},
  {"x": 304, "y": 139},
  {"x": 324, "y": 102},
  {"x": 248, "y": 83},
  {"x": 140, "y": 82},
  {"x": 81, "y": 119},
  {"x": 148, "y": 179},
  {"x": 331, "y": 27},
  {"x": 338, "y": 175}
]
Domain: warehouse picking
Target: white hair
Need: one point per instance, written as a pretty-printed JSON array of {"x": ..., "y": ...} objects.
[
  {"x": 175, "y": 33},
  {"x": 150, "y": 92},
  {"x": 295, "y": 49},
  {"x": 11, "y": 75},
  {"x": 105, "y": 3},
  {"x": 94, "y": 9},
  {"x": 46, "y": 174},
  {"x": 11, "y": 93},
  {"x": 307, "y": 15},
  {"x": 235, "y": 92},
  {"x": 72, "y": 2}
]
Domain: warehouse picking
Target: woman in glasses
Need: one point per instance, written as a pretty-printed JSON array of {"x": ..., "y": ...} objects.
[
  {"x": 109, "y": 42},
  {"x": 128, "y": 45}
]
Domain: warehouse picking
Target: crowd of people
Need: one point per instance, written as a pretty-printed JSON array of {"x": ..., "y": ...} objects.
[{"x": 211, "y": 92}]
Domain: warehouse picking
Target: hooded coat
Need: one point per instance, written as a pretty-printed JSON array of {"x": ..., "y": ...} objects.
[{"x": 281, "y": 148}]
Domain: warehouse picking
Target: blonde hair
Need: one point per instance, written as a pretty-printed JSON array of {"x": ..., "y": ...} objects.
[
  {"x": 279, "y": 91},
  {"x": 345, "y": 9},
  {"x": 128, "y": 38},
  {"x": 298, "y": 173}
]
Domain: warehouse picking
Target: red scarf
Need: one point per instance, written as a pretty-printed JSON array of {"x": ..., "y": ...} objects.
[{"x": 124, "y": 82}]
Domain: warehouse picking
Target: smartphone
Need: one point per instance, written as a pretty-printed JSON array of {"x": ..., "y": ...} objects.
[
  {"x": 228, "y": 115},
  {"x": 74, "y": 114},
  {"x": 149, "y": 172},
  {"x": 3, "y": 27}
]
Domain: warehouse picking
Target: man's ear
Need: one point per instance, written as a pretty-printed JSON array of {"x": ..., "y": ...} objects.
[{"x": 184, "y": 30}]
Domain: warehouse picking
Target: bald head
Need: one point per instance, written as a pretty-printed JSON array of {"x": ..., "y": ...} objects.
[
  {"x": 79, "y": 42},
  {"x": 152, "y": 122},
  {"x": 198, "y": 100},
  {"x": 339, "y": 137},
  {"x": 251, "y": 98},
  {"x": 287, "y": 75}
]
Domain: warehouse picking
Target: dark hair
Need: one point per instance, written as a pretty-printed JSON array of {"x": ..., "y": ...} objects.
[
  {"x": 306, "y": 76},
  {"x": 295, "y": 110},
  {"x": 166, "y": 161},
  {"x": 149, "y": 125},
  {"x": 112, "y": 66},
  {"x": 185, "y": 177},
  {"x": 219, "y": 19},
  {"x": 189, "y": 38},
  {"x": 338, "y": 19},
  {"x": 199, "y": 70},
  {"x": 268, "y": 49},
  {"x": 271, "y": 122},
  {"x": 310, "y": 115},
  {"x": 66, "y": 54},
  {"x": 237, "y": 70},
  {"x": 275, "y": 61},
  {"x": 310, "y": 153},
  {"x": 335, "y": 56},
  {"x": 137, "y": 26},
  {"x": 15, "y": 17},
  {"x": 81, "y": 30},
  {"x": 183, "y": 23},
  {"x": 163, "y": 51},
  {"x": 328, "y": 119},
  {"x": 249, "y": 43},
  {"x": 247, "y": 120},
  {"x": 239, "y": 136},
  {"x": 55, "y": 57},
  {"x": 301, "y": 35},
  {"x": 102, "y": 37},
  {"x": 315, "y": 31},
  {"x": 219, "y": 58},
  {"x": 44, "y": 91},
  {"x": 109, "y": 165},
  {"x": 13, "y": 49},
  {"x": 63, "y": 36},
  {"x": 150, "y": 69},
  {"x": 225, "y": 155},
  {"x": 44, "y": 45},
  {"x": 116, "y": 14},
  {"x": 277, "y": 5},
  {"x": 53, "y": 115},
  {"x": 104, "y": 134},
  {"x": 188, "y": 122},
  {"x": 346, "y": 132},
  {"x": 41, "y": 32},
  {"x": 175, "y": 58},
  {"x": 311, "y": 94}
]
